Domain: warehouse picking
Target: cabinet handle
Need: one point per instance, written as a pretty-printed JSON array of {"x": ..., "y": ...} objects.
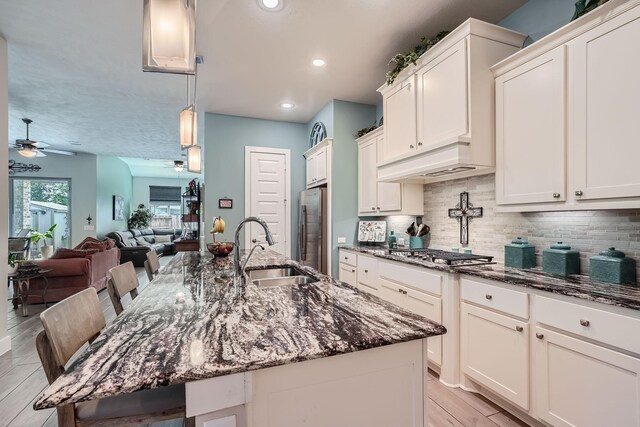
[
  {"x": 378, "y": 208},
  {"x": 579, "y": 193},
  {"x": 372, "y": 208},
  {"x": 411, "y": 146},
  {"x": 489, "y": 297},
  {"x": 584, "y": 323},
  {"x": 419, "y": 144},
  {"x": 556, "y": 195},
  {"x": 539, "y": 335},
  {"x": 366, "y": 271},
  {"x": 346, "y": 258},
  {"x": 519, "y": 328},
  {"x": 402, "y": 291}
]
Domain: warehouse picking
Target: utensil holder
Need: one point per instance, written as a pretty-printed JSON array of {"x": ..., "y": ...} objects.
[{"x": 415, "y": 242}]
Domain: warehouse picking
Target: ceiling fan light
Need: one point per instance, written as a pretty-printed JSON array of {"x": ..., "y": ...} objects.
[
  {"x": 28, "y": 152},
  {"x": 178, "y": 168},
  {"x": 188, "y": 127},
  {"x": 169, "y": 37},
  {"x": 194, "y": 159}
]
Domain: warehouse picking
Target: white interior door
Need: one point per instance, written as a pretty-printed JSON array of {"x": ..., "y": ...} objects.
[{"x": 268, "y": 188}]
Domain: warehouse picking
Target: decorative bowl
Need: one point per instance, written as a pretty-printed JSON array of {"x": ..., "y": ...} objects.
[{"x": 220, "y": 249}]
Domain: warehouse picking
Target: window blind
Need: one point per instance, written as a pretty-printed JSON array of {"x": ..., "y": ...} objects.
[{"x": 159, "y": 193}]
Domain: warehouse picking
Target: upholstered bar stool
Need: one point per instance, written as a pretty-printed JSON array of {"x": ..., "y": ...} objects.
[
  {"x": 152, "y": 265},
  {"x": 122, "y": 280},
  {"x": 68, "y": 326}
]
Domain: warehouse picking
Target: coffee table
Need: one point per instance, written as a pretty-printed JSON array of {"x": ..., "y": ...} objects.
[{"x": 21, "y": 281}]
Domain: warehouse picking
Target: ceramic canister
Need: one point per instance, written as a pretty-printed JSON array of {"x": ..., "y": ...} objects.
[
  {"x": 519, "y": 254},
  {"x": 560, "y": 259},
  {"x": 612, "y": 266}
]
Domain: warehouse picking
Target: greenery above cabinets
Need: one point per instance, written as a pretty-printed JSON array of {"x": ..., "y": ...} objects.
[{"x": 403, "y": 59}]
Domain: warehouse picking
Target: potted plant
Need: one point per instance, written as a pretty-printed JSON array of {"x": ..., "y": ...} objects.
[
  {"x": 36, "y": 237},
  {"x": 13, "y": 263},
  {"x": 140, "y": 218}
]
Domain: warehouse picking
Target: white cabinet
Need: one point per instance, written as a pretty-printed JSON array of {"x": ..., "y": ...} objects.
[
  {"x": 316, "y": 165},
  {"x": 606, "y": 102},
  {"x": 579, "y": 384},
  {"x": 367, "y": 273},
  {"x": 383, "y": 198},
  {"x": 442, "y": 97},
  {"x": 439, "y": 113},
  {"x": 399, "y": 106},
  {"x": 348, "y": 275},
  {"x": 494, "y": 351},
  {"x": 566, "y": 117},
  {"x": 530, "y": 131}
]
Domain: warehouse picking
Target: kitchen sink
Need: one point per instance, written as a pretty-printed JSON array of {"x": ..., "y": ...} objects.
[
  {"x": 284, "y": 281},
  {"x": 273, "y": 272}
]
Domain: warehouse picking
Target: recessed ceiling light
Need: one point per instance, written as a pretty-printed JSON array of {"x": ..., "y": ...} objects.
[
  {"x": 287, "y": 105},
  {"x": 319, "y": 62},
  {"x": 271, "y": 5}
]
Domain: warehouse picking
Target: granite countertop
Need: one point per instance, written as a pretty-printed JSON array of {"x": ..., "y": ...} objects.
[
  {"x": 578, "y": 286},
  {"x": 192, "y": 322}
]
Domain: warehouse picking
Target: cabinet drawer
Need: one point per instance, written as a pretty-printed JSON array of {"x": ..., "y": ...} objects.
[
  {"x": 348, "y": 274},
  {"x": 606, "y": 327},
  {"x": 349, "y": 258},
  {"x": 367, "y": 271},
  {"x": 415, "y": 277},
  {"x": 496, "y": 298}
]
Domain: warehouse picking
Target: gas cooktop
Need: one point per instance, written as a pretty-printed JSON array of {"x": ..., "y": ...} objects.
[{"x": 444, "y": 257}]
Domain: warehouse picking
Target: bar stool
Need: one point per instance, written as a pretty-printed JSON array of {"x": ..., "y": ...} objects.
[
  {"x": 123, "y": 280},
  {"x": 152, "y": 264}
]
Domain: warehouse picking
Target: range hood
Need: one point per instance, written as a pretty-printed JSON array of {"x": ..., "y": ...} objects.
[{"x": 452, "y": 159}]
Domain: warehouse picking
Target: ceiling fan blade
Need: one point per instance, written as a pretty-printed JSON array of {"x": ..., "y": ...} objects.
[
  {"x": 40, "y": 144},
  {"x": 56, "y": 151},
  {"x": 40, "y": 154}
]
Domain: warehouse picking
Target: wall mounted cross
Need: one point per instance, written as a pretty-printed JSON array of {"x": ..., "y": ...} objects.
[{"x": 463, "y": 212}]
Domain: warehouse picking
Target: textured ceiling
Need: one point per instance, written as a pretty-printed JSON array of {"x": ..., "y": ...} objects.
[
  {"x": 75, "y": 65},
  {"x": 154, "y": 168}
]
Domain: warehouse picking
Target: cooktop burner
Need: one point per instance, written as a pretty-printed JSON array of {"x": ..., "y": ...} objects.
[{"x": 445, "y": 257}]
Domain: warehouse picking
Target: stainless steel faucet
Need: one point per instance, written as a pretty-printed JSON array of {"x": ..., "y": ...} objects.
[{"x": 238, "y": 270}]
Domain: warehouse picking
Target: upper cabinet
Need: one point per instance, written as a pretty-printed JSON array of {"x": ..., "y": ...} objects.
[
  {"x": 439, "y": 114},
  {"x": 317, "y": 160},
  {"x": 566, "y": 122},
  {"x": 383, "y": 198}
]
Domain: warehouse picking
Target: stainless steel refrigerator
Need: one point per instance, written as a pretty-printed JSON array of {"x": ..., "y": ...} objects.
[{"x": 312, "y": 229}]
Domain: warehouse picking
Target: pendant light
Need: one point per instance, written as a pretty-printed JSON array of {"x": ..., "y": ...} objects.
[
  {"x": 194, "y": 159},
  {"x": 169, "y": 37},
  {"x": 189, "y": 120}
]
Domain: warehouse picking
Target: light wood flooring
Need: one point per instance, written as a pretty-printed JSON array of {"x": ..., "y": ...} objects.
[{"x": 22, "y": 380}]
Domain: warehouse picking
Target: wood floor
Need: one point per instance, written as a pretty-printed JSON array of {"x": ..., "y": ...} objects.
[{"x": 22, "y": 379}]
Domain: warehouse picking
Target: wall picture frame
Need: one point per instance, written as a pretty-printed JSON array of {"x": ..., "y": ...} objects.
[
  {"x": 225, "y": 203},
  {"x": 118, "y": 208}
]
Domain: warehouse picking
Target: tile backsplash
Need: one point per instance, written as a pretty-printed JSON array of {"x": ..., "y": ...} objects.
[{"x": 586, "y": 231}]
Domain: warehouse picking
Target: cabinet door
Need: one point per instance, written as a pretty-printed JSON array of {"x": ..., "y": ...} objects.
[
  {"x": 311, "y": 170},
  {"x": 400, "y": 119},
  {"x": 367, "y": 177},
  {"x": 389, "y": 195},
  {"x": 368, "y": 274},
  {"x": 579, "y": 384},
  {"x": 442, "y": 97},
  {"x": 530, "y": 131},
  {"x": 431, "y": 308},
  {"x": 321, "y": 165},
  {"x": 347, "y": 274},
  {"x": 392, "y": 292},
  {"x": 494, "y": 351},
  {"x": 606, "y": 101}
]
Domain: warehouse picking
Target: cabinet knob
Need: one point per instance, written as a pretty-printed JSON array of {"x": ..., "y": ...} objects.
[
  {"x": 579, "y": 193},
  {"x": 584, "y": 323},
  {"x": 353, "y": 271},
  {"x": 419, "y": 144},
  {"x": 539, "y": 335},
  {"x": 378, "y": 208},
  {"x": 366, "y": 271},
  {"x": 372, "y": 208},
  {"x": 411, "y": 146},
  {"x": 346, "y": 258},
  {"x": 556, "y": 195},
  {"x": 519, "y": 328},
  {"x": 487, "y": 296}
]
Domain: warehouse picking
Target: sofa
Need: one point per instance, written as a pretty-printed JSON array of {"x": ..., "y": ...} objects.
[
  {"x": 81, "y": 270},
  {"x": 135, "y": 243}
]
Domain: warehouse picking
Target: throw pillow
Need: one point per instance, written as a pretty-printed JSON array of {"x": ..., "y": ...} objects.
[
  {"x": 85, "y": 240},
  {"x": 100, "y": 246},
  {"x": 163, "y": 238},
  {"x": 64, "y": 253},
  {"x": 141, "y": 242},
  {"x": 110, "y": 243}
]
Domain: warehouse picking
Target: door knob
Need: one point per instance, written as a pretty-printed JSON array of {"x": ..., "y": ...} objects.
[
  {"x": 556, "y": 195},
  {"x": 519, "y": 328},
  {"x": 539, "y": 335},
  {"x": 579, "y": 193}
]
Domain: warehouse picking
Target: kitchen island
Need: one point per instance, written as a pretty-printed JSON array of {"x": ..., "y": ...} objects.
[{"x": 260, "y": 356}]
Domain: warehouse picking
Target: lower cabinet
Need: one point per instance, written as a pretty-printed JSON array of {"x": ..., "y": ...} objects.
[
  {"x": 495, "y": 352},
  {"x": 367, "y": 274},
  {"x": 348, "y": 274}
]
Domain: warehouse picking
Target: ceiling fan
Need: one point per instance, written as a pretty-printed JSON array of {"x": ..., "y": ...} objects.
[
  {"x": 177, "y": 165},
  {"x": 29, "y": 148}
]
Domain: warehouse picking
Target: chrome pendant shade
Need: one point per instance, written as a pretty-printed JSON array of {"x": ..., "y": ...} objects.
[{"x": 169, "y": 39}]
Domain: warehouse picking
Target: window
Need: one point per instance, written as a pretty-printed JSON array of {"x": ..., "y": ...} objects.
[
  {"x": 165, "y": 206},
  {"x": 37, "y": 204}
]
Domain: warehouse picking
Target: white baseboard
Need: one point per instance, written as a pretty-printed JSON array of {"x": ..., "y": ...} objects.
[{"x": 5, "y": 344}]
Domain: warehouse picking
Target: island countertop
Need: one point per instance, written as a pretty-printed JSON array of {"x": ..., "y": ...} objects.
[{"x": 192, "y": 322}]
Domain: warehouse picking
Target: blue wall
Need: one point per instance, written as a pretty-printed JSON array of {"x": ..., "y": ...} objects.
[
  {"x": 325, "y": 115},
  {"x": 225, "y": 140},
  {"x": 113, "y": 178},
  {"x": 537, "y": 18}
]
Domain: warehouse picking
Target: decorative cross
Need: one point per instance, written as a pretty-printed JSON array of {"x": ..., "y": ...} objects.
[
  {"x": 17, "y": 167},
  {"x": 463, "y": 212}
]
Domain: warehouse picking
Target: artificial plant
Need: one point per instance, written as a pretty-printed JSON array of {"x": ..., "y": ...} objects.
[
  {"x": 36, "y": 237},
  {"x": 140, "y": 218},
  {"x": 404, "y": 59}
]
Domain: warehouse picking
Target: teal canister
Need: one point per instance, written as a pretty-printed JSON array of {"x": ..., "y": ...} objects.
[
  {"x": 392, "y": 241},
  {"x": 415, "y": 242},
  {"x": 560, "y": 259},
  {"x": 519, "y": 254},
  {"x": 612, "y": 266}
]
